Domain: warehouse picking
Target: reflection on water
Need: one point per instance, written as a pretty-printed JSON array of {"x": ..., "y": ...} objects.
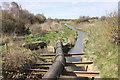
[{"x": 78, "y": 48}]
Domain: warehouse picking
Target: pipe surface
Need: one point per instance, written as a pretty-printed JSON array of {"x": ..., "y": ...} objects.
[{"x": 58, "y": 65}]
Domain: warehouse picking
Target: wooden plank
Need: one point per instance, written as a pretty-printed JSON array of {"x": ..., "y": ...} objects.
[
  {"x": 48, "y": 57},
  {"x": 44, "y": 64},
  {"x": 39, "y": 73},
  {"x": 78, "y": 63},
  {"x": 66, "y": 55},
  {"x": 68, "y": 64},
  {"x": 74, "y": 55},
  {"x": 47, "y": 54},
  {"x": 81, "y": 73},
  {"x": 39, "y": 70}
]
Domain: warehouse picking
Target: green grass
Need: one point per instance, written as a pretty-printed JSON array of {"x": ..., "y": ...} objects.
[
  {"x": 100, "y": 44},
  {"x": 106, "y": 53},
  {"x": 52, "y": 36}
]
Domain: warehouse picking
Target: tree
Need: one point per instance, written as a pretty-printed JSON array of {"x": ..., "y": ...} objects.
[
  {"x": 14, "y": 9},
  {"x": 11, "y": 23}
]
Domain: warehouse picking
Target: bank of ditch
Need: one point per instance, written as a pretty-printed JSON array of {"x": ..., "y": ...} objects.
[{"x": 101, "y": 46}]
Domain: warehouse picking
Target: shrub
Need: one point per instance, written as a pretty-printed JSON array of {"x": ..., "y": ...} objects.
[
  {"x": 14, "y": 19},
  {"x": 82, "y": 19},
  {"x": 15, "y": 60},
  {"x": 41, "y": 18}
]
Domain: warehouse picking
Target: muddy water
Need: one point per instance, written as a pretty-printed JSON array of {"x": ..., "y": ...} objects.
[{"x": 78, "y": 48}]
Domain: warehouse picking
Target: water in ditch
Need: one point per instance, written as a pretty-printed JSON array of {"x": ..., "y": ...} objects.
[{"x": 78, "y": 47}]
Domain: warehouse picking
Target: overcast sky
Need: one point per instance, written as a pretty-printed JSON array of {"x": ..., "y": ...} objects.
[{"x": 68, "y": 9}]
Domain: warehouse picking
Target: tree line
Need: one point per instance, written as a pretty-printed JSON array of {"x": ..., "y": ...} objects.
[{"x": 14, "y": 19}]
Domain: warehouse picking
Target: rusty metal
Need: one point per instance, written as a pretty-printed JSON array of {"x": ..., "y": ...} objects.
[{"x": 58, "y": 64}]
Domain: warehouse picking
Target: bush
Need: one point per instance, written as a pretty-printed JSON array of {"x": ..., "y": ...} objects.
[
  {"x": 15, "y": 60},
  {"x": 82, "y": 19},
  {"x": 14, "y": 19},
  {"x": 41, "y": 18}
]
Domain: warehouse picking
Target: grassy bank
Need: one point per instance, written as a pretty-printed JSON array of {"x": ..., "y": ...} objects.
[
  {"x": 50, "y": 37},
  {"x": 105, "y": 53},
  {"x": 101, "y": 46}
]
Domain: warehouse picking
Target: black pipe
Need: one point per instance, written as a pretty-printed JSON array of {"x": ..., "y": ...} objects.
[{"x": 58, "y": 65}]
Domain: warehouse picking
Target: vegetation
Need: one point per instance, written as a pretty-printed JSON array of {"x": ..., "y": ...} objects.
[
  {"x": 102, "y": 44},
  {"x": 14, "y": 19},
  {"x": 82, "y": 19},
  {"x": 41, "y": 18},
  {"x": 15, "y": 59},
  {"x": 27, "y": 28},
  {"x": 51, "y": 36}
]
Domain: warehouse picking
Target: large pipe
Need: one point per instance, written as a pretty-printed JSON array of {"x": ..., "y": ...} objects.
[{"x": 58, "y": 65}]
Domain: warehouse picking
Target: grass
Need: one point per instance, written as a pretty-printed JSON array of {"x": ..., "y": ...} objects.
[
  {"x": 16, "y": 58},
  {"x": 20, "y": 58},
  {"x": 106, "y": 53},
  {"x": 102, "y": 47},
  {"x": 51, "y": 36}
]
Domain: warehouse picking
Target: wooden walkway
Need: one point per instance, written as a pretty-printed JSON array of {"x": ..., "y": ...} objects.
[{"x": 57, "y": 68}]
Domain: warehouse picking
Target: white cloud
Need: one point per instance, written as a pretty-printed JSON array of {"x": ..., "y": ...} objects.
[
  {"x": 39, "y": 5},
  {"x": 75, "y": 2}
]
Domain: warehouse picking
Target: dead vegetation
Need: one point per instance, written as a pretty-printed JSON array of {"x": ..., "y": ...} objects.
[
  {"x": 48, "y": 25},
  {"x": 15, "y": 60}
]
